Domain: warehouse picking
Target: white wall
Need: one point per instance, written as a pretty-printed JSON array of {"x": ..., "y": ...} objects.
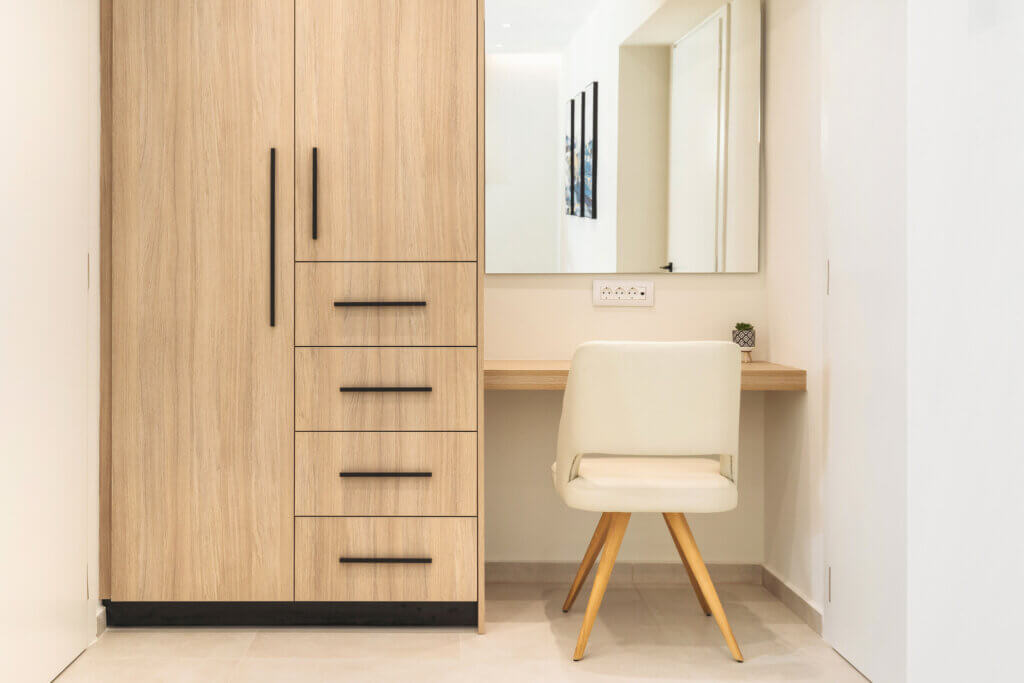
[
  {"x": 864, "y": 194},
  {"x": 524, "y": 164},
  {"x": 965, "y": 322},
  {"x": 588, "y": 245},
  {"x": 49, "y": 346}
]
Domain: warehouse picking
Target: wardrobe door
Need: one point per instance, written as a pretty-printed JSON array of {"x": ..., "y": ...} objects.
[
  {"x": 386, "y": 94},
  {"x": 202, "y": 300}
]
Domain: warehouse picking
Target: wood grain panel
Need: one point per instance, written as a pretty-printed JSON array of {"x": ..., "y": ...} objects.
[
  {"x": 202, "y": 384},
  {"x": 481, "y": 221},
  {"x": 449, "y": 457},
  {"x": 320, "y": 373},
  {"x": 449, "y": 542},
  {"x": 386, "y": 91},
  {"x": 447, "y": 319},
  {"x": 551, "y": 375}
]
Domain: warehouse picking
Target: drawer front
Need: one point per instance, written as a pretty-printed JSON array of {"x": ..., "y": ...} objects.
[
  {"x": 372, "y": 473},
  {"x": 368, "y": 542},
  {"x": 385, "y": 304},
  {"x": 385, "y": 389}
]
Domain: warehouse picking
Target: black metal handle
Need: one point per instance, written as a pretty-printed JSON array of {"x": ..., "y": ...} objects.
[
  {"x": 667, "y": 267},
  {"x": 372, "y": 389},
  {"x": 273, "y": 237},
  {"x": 315, "y": 179},
  {"x": 346, "y": 304},
  {"x": 385, "y": 560},
  {"x": 385, "y": 474}
]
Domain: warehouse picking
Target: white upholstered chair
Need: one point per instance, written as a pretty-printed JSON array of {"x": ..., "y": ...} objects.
[{"x": 649, "y": 427}]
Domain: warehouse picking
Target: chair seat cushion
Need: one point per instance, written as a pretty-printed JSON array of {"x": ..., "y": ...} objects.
[{"x": 607, "y": 483}]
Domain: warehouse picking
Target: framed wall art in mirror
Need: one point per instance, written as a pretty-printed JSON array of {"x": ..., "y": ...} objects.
[{"x": 666, "y": 179}]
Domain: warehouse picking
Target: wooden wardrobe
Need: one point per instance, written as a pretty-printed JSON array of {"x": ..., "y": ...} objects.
[{"x": 294, "y": 293}]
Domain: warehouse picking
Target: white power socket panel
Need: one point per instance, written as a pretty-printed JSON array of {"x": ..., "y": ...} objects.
[{"x": 623, "y": 292}]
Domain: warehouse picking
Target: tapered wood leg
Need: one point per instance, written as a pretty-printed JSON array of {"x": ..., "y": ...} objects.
[
  {"x": 684, "y": 537},
  {"x": 589, "y": 557},
  {"x": 689, "y": 572},
  {"x": 613, "y": 540}
]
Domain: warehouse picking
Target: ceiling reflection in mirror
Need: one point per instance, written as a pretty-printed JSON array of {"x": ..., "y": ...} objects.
[{"x": 623, "y": 136}]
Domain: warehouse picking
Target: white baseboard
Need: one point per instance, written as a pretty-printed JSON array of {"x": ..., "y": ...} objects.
[
  {"x": 101, "y": 620},
  {"x": 793, "y": 600}
]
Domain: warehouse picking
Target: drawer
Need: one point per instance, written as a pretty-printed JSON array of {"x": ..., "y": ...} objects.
[
  {"x": 385, "y": 304},
  {"x": 385, "y": 559},
  {"x": 385, "y": 389},
  {"x": 384, "y": 473}
]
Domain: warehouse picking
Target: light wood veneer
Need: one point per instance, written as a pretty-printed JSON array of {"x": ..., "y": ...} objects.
[
  {"x": 450, "y": 458},
  {"x": 451, "y": 405},
  {"x": 449, "y": 542},
  {"x": 201, "y": 383},
  {"x": 386, "y": 91},
  {"x": 551, "y": 375},
  {"x": 447, "y": 319}
]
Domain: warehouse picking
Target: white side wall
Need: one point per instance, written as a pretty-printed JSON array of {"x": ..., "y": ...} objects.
[
  {"x": 965, "y": 325},
  {"x": 524, "y": 166},
  {"x": 864, "y": 175},
  {"x": 49, "y": 389}
]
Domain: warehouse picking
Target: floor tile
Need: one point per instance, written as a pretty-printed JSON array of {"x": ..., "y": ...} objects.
[{"x": 643, "y": 633}]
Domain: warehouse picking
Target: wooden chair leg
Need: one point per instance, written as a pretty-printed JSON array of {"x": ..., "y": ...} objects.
[
  {"x": 596, "y": 543},
  {"x": 681, "y": 532},
  {"x": 689, "y": 571},
  {"x": 613, "y": 540}
]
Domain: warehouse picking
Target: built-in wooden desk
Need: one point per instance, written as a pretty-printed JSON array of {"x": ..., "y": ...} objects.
[{"x": 550, "y": 375}]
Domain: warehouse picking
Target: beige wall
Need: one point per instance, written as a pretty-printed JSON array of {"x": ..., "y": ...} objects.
[
  {"x": 49, "y": 190},
  {"x": 795, "y": 284},
  {"x": 547, "y": 317}
]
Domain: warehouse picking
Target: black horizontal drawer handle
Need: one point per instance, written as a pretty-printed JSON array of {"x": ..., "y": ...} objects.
[
  {"x": 352, "y": 304},
  {"x": 385, "y": 560},
  {"x": 372, "y": 389},
  {"x": 385, "y": 474}
]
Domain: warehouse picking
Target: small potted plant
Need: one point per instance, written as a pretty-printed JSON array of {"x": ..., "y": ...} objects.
[{"x": 743, "y": 336}]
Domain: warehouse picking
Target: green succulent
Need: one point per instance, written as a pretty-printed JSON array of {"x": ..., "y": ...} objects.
[{"x": 744, "y": 326}]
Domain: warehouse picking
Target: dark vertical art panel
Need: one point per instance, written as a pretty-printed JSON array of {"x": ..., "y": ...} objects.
[{"x": 589, "y": 151}]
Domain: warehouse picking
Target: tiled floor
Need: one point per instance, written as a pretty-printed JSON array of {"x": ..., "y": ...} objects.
[{"x": 642, "y": 633}]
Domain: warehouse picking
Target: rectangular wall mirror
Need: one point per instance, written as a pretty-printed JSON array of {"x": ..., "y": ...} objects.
[{"x": 623, "y": 136}]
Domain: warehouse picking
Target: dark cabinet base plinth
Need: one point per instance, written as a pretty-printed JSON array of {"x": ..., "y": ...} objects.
[{"x": 291, "y": 613}]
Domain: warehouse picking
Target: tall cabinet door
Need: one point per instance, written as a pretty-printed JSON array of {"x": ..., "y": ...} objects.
[
  {"x": 202, "y": 307},
  {"x": 386, "y": 93}
]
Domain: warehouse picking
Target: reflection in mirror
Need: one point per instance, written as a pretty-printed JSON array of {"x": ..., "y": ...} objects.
[{"x": 622, "y": 138}]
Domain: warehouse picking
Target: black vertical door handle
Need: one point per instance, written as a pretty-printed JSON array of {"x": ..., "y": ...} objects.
[
  {"x": 315, "y": 179},
  {"x": 273, "y": 236}
]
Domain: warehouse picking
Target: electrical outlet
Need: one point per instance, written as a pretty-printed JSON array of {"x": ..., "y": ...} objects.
[{"x": 623, "y": 292}]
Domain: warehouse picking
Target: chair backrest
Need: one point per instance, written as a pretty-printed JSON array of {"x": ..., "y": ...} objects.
[{"x": 651, "y": 399}]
